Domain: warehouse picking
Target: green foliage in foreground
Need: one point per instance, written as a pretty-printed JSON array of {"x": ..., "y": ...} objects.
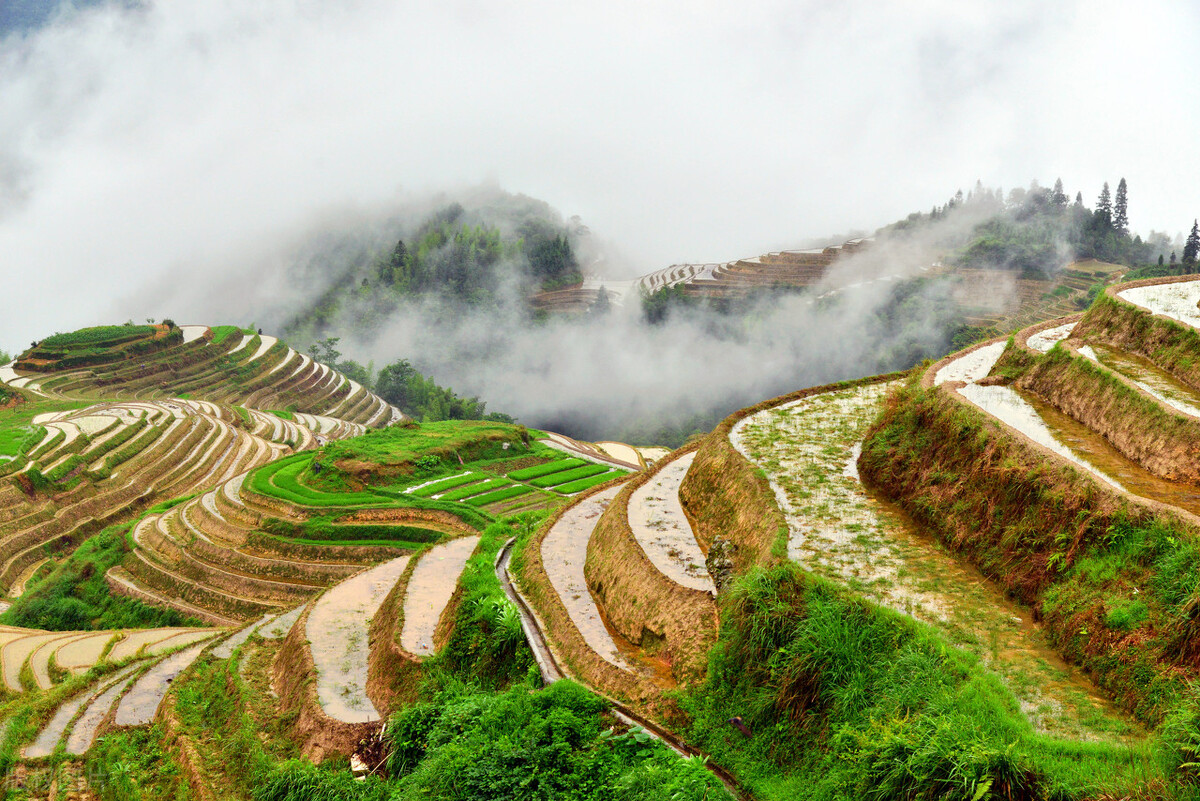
[
  {"x": 487, "y": 646},
  {"x": 134, "y": 764},
  {"x": 554, "y": 743},
  {"x": 482, "y": 731},
  {"x": 845, "y": 699},
  {"x": 75, "y": 596}
]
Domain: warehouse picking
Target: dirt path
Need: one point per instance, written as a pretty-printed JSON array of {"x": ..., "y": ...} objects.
[
  {"x": 429, "y": 590},
  {"x": 564, "y": 551},
  {"x": 337, "y": 634},
  {"x": 662, "y": 529},
  {"x": 808, "y": 450}
]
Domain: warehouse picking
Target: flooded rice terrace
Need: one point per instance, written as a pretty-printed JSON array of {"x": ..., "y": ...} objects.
[
  {"x": 839, "y": 529},
  {"x": 1147, "y": 375}
]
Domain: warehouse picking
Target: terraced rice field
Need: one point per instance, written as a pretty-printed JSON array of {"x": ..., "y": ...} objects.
[
  {"x": 1016, "y": 411},
  {"x": 1148, "y": 376},
  {"x": 808, "y": 451},
  {"x": 973, "y": 366},
  {"x": 56, "y": 728},
  {"x": 662, "y": 529},
  {"x": 429, "y": 590},
  {"x": 587, "y": 452},
  {"x": 337, "y": 636},
  {"x": 567, "y": 476},
  {"x": 564, "y": 552},
  {"x": 1044, "y": 340},
  {"x": 210, "y": 557},
  {"x": 256, "y": 371},
  {"x": 77, "y": 651},
  {"x": 1177, "y": 301},
  {"x": 140, "y": 703}
]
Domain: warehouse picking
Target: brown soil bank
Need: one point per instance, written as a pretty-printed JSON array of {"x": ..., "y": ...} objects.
[
  {"x": 1165, "y": 442},
  {"x": 568, "y": 644},
  {"x": 316, "y": 734},
  {"x": 676, "y": 623},
  {"x": 1170, "y": 344},
  {"x": 727, "y": 498},
  {"x": 1114, "y": 581}
]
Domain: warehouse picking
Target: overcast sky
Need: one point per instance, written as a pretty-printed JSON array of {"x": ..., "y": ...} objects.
[{"x": 190, "y": 138}]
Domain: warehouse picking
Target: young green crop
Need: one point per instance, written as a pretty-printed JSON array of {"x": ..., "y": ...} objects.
[
  {"x": 98, "y": 336},
  {"x": 546, "y": 469},
  {"x": 499, "y": 495},
  {"x": 446, "y": 484},
  {"x": 476, "y": 489},
  {"x": 566, "y": 476},
  {"x": 281, "y": 479},
  {"x": 587, "y": 483}
]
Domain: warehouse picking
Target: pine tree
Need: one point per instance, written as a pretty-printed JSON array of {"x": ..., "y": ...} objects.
[
  {"x": 1060, "y": 198},
  {"x": 1191, "y": 248},
  {"x": 1078, "y": 198},
  {"x": 1104, "y": 205},
  {"x": 1120, "y": 215}
]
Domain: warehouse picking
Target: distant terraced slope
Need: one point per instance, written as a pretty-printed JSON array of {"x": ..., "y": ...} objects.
[
  {"x": 104, "y": 463},
  {"x": 225, "y": 366},
  {"x": 735, "y": 279}
]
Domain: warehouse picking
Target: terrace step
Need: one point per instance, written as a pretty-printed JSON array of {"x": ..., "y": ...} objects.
[
  {"x": 337, "y": 633},
  {"x": 429, "y": 590}
]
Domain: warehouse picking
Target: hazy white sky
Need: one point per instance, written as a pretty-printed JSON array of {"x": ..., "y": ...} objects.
[{"x": 191, "y": 138}]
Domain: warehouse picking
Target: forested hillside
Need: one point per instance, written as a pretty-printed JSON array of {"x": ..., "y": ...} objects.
[
  {"x": 496, "y": 248},
  {"x": 1035, "y": 231}
]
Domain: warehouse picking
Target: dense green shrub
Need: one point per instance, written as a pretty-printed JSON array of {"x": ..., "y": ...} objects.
[
  {"x": 76, "y": 597},
  {"x": 553, "y": 743},
  {"x": 844, "y": 699}
]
